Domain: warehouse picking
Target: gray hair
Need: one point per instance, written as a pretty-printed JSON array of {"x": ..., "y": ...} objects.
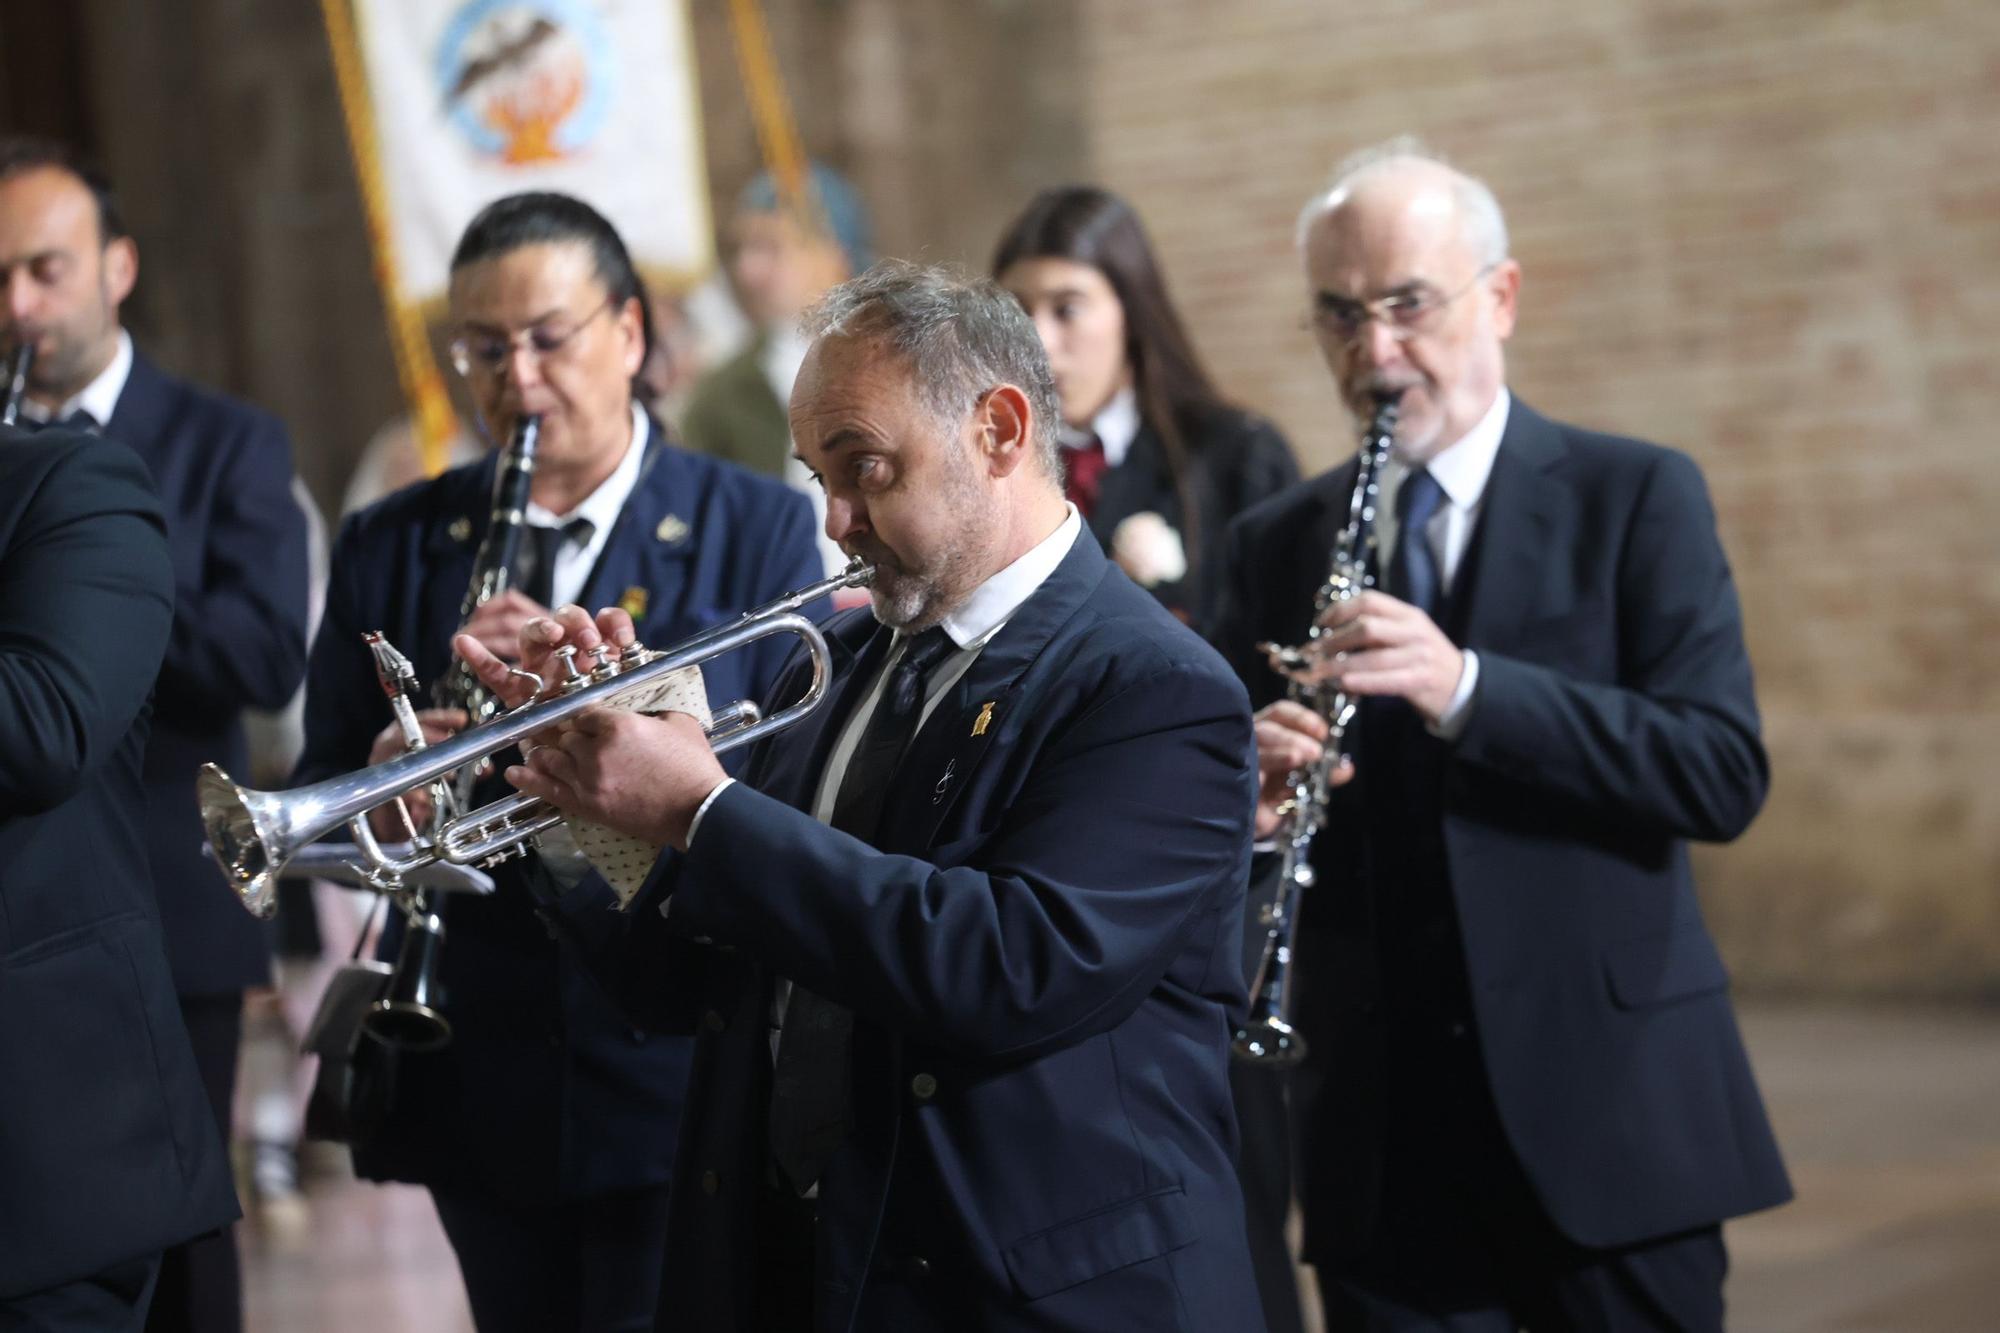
[
  {"x": 1480, "y": 219},
  {"x": 960, "y": 336}
]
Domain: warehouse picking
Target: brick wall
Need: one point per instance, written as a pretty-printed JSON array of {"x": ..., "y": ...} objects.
[{"x": 1766, "y": 233}]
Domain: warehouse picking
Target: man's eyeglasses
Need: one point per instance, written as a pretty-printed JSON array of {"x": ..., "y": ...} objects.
[
  {"x": 487, "y": 352},
  {"x": 1404, "y": 314}
]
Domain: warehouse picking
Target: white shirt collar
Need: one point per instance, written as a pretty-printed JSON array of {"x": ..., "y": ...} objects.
[
  {"x": 995, "y": 601},
  {"x": 1115, "y": 427},
  {"x": 100, "y": 396},
  {"x": 602, "y": 505},
  {"x": 1462, "y": 467}
]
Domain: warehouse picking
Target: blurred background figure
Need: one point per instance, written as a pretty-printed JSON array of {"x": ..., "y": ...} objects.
[
  {"x": 1158, "y": 461},
  {"x": 238, "y": 542},
  {"x": 781, "y": 260}
]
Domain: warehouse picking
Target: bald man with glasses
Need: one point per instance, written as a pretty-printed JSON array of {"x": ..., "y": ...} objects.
[{"x": 1526, "y": 1103}]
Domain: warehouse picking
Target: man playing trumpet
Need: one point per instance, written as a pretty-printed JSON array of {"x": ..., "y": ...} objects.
[{"x": 960, "y": 950}]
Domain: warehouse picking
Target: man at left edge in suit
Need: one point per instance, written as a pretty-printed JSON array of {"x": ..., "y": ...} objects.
[
  {"x": 237, "y": 544},
  {"x": 108, "y": 1152}
]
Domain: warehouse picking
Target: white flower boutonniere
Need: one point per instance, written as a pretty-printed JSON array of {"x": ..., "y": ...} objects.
[{"x": 1149, "y": 550}]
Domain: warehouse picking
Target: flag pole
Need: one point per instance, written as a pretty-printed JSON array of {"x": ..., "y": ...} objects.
[{"x": 409, "y": 339}]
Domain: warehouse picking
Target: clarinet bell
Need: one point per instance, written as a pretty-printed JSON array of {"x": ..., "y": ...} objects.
[{"x": 408, "y": 1016}]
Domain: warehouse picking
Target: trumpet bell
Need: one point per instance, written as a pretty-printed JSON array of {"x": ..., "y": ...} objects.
[{"x": 247, "y": 832}]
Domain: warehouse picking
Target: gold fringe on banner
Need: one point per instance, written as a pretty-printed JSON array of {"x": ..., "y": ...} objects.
[{"x": 416, "y": 368}]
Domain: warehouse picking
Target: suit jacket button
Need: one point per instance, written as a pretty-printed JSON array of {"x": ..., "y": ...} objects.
[
  {"x": 917, "y": 1267},
  {"x": 713, "y": 1021},
  {"x": 710, "y": 1183},
  {"x": 924, "y": 1086}
]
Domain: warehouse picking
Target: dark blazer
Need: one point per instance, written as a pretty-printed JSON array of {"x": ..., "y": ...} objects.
[
  {"x": 1613, "y": 721},
  {"x": 108, "y": 1149},
  {"x": 546, "y": 1091},
  {"x": 1043, "y": 961},
  {"x": 237, "y": 541},
  {"x": 1235, "y": 460}
]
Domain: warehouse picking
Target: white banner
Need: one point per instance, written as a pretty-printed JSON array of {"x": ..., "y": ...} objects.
[{"x": 475, "y": 99}]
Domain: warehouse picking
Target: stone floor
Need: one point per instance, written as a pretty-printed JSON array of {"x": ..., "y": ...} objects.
[{"x": 1890, "y": 1119}]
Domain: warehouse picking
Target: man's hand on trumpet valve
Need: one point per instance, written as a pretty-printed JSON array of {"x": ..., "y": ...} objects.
[
  {"x": 1375, "y": 644},
  {"x": 568, "y": 625},
  {"x": 438, "y": 724},
  {"x": 1289, "y": 736},
  {"x": 637, "y": 775}
]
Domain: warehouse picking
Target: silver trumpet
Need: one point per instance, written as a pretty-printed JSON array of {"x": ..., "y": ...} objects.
[
  {"x": 1267, "y": 1036},
  {"x": 252, "y": 834}
]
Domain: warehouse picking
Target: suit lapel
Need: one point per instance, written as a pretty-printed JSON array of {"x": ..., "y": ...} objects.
[
  {"x": 1518, "y": 516},
  {"x": 442, "y": 568},
  {"x": 139, "y": 418},
  {"x": 961, "y": 730},
  {"x": 644, "y": 564}
]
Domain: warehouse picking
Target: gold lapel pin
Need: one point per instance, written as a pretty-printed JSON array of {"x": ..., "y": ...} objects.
[
  {"x": 633, "y": 603},
  {"x": 985, "y": 717},
  {"x": 673, "y": 528},
  {"x": 460, "y": 529}
]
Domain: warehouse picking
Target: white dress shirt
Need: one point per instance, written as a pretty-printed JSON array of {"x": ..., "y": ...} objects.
[
  {"x": 575, "y": 560},
  {"x": 1115, "y": 427},
  {"x": 1462, "y": 469}
]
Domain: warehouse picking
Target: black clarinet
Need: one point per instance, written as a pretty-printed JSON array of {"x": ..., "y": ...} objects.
[
  {"x": 493, "y": 565},
  {"x": 1267, "y": 1036}
]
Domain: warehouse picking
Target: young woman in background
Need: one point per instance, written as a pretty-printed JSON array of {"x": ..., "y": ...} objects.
[{"x": 1158, "y": 462}]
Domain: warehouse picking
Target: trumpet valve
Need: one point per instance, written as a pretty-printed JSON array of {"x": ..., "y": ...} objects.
[
  {"x": 506, "y": 854},
  {"x": 572, "y": 675}
]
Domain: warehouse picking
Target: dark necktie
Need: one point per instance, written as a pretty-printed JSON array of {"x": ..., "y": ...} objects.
[
  {"x": 811, "y": 1098},
  {"x": 540, "y": 547},
  {"x": 1084, "y": 466},
  {"x": 1413, "y": 571}
]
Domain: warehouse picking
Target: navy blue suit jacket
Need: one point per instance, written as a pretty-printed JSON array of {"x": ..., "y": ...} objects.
[
  {"x": 1042, "y": 958},
  {"x": 109, "y": 1149},
  {"x": 237, "y": 544},
  {"x": 546, "y": 1091},
  {"x": 1613, "y": 721}
]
